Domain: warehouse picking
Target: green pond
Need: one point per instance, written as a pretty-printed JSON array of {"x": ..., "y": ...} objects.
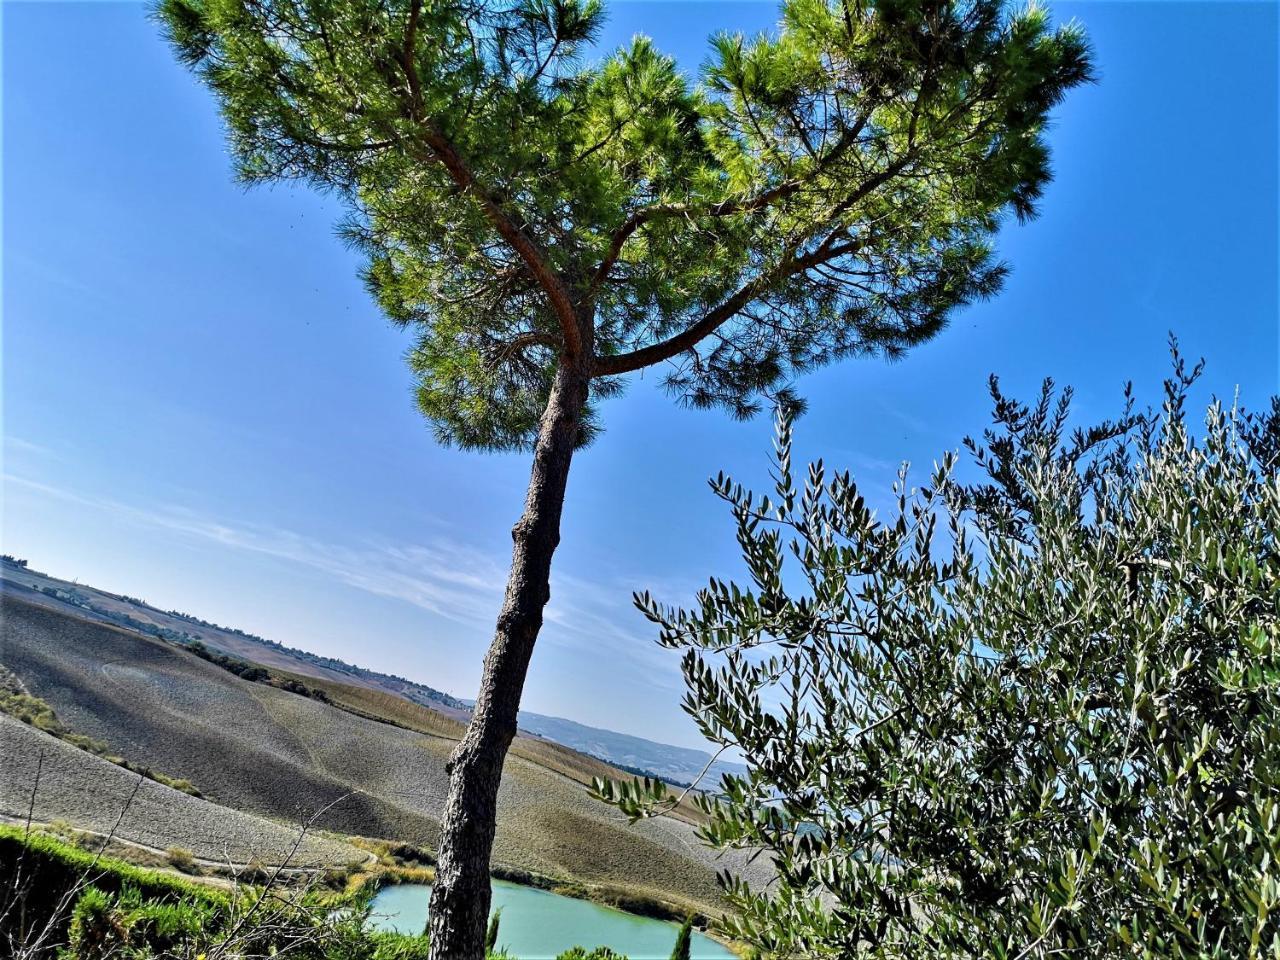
[{"x": 536, "y": 924}]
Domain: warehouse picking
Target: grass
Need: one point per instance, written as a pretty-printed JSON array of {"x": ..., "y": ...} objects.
[
  {"x": 40, "y": 874},
  {"x": 57, "y": 901},
  {"x": 53, "y": 858}
]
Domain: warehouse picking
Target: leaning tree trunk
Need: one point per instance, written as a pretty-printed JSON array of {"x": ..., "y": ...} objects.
[{"x": 460, "y": 895}]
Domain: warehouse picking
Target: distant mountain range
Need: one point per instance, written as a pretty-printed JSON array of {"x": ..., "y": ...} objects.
[{"x": 679, "y": 765}]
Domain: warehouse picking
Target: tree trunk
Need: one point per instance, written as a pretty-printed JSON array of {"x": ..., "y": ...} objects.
[{"x": 460, "y": 895}]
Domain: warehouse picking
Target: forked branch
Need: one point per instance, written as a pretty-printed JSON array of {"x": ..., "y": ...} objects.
[{"x": 749, "y": 291}]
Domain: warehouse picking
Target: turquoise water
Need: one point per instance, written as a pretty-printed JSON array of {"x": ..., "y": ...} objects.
[{"x": 537, "y": 924}]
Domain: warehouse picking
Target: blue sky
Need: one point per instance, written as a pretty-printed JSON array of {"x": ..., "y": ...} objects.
[{"x": 203, "y": 408}]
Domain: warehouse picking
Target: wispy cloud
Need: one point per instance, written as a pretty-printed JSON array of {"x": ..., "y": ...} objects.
[
  {"x": 907, "y": 419},
  {"x": 20, "y": 445},
  {"x": 441, "y": 575},
  {"x": 25, "y": 268},
  {"x": 588, "y": 615}
]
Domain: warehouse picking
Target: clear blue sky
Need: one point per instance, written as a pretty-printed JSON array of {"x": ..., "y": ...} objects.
[{"x": 203, "y": 408}]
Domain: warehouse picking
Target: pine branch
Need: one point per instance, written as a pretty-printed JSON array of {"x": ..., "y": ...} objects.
[{"x": 748, "y": 292}]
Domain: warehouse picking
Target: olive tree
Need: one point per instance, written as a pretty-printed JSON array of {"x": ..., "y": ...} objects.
[
  {"x": 548, "y": 223},
  {"x": 1034, "y": 715}
]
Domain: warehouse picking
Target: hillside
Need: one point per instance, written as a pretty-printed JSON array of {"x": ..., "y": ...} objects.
[
  {"x": 270, "y": 752},
  {"x": 395, "y": 710},
  {"x": 56, "y": 781},
  {"x": 139, "y": 615},
  {"x": 678, "y": 764}
]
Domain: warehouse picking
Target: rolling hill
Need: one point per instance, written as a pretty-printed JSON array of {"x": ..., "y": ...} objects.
[
  {"x": 58, "y": 782},
  {"x": 677, "y": 764},
  {"x": 369, "y": 762}
]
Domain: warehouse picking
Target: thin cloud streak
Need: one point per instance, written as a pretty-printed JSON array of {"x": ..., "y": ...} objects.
[
  {"x": 19, "y": 445},
  {"x": 442, "y": 576}
]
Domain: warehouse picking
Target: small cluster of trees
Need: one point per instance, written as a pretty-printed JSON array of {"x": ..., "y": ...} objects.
[
  {"x": 254, "y": 673},
  {"x": 241, "y": 668},
  {"x": 331, "y": 663}
]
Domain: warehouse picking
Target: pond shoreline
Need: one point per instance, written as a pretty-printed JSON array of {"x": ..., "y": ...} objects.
[
  {"x": 605, "y": 895},
  {"x": 538, "y": 923}
]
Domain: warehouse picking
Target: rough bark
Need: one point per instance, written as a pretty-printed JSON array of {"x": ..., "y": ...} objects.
[{"x": 460, "y": 895}]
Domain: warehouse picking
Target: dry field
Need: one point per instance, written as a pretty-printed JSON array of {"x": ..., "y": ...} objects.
[
  {"x": 259, "y": 749},
  {"x": 27, "y": 584},
  {"x": 377, "y": 704},
  {"x": 98, "y": 796}
]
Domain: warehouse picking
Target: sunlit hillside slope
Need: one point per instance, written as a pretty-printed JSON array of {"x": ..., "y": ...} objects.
[{"x": 256, "y": 748}]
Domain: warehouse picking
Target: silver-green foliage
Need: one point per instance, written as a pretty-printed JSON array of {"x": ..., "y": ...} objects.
[{"x": 1029, "y": 716}]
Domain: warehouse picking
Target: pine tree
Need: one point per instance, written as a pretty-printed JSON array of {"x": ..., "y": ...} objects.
[{"x": 548, "y": 224}]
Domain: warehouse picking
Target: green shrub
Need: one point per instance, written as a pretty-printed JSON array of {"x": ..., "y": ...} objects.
[
  {"x": 400, "y": 946},
  {"x": 337, "y": 878},
  {"x": 35, "y": 712},
  {"x": 491, "y": 935},
  {"x": 38, "y": 874},
  {"x": 181, "y": 784},
  {"x": 684, "y": 940},
  {"x": 255, "y": 871},
  {"x": 182, "y": 859},
  {"x": 412, "y": 854},
  {"x": 81, "y": 907},
  {"x": 130, "y": 925},
  {"x": 90, "y": 933},
  {"x": 1031, "y": 714}
]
